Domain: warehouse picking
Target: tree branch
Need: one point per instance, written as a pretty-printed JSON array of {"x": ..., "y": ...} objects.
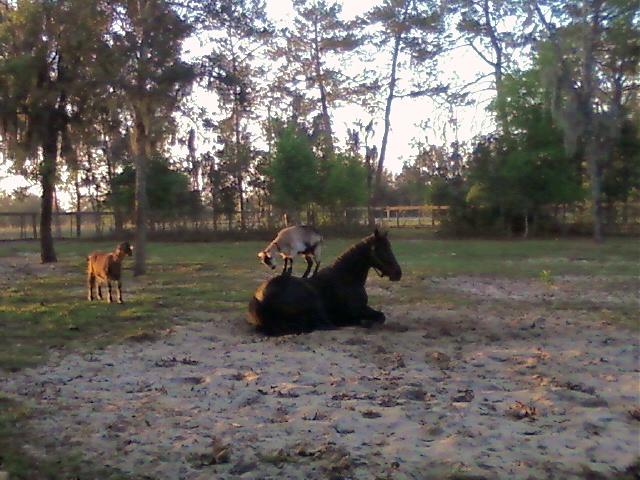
[
  {"x": 439, "y": 90},
  {"x": 481, "y": 55}
]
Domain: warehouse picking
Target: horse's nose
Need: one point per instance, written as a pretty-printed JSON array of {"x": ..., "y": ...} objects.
[{"x": 397, "y": 275}]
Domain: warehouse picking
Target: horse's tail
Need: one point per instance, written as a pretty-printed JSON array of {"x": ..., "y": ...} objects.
[
  {"x": 256, "y": 312},
  {"x": 268, "y": 319}
]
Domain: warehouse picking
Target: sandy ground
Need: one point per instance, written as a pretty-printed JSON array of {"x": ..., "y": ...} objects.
[{"x": 521, "y": 391}]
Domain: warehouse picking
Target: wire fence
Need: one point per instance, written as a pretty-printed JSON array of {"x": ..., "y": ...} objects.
[{"x": 619, "y": 219}]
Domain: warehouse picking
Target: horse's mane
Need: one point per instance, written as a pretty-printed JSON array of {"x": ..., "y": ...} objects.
[{"x": 353, "y": 251}]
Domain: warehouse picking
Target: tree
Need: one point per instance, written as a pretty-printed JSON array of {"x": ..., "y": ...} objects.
[
  {"x": 49, "y": 54},
  {"x": 587, "y": 59},
  {"x": 346, "y": 183},
  {"x": 167, "y": 190},
  {"x": 237, "y": 31},
  {"x": 315, "y": 48},
  {"x": 294, "y": 173},
  {"x": 487, "y": 28},
  {"x": 411, "y": 29},
  {"x": 516, "y": 174},
  {"x": 147, "y": 38}
]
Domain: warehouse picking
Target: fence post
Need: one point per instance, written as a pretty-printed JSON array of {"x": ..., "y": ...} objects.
[
  {"x": 78, "y": 224},
  {"x": 34, "y": 225}
]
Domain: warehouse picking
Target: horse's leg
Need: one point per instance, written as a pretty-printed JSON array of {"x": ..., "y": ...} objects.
[
  {"x": 359, "y": 313},
  {"x": 110, "y": 300},
  {"x": 322, "y": 321},
  {"x": 317, "y": 317},
  {"x": 284, "y": 267},
  {"x": 309, "y": 265},
  {"x": 315, "y": 270},
  {"x": 99, "y": 283},
  {"x": 371, "y": 316}
]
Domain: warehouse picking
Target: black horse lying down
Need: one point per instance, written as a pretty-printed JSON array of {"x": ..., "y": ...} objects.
[{"x": 334, "y": 297}]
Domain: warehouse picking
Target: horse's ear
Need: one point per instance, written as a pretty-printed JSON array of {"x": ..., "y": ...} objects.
[{"x": 379, "y": 233}]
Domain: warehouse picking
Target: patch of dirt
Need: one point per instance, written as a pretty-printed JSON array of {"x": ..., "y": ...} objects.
[
  {"x": 25, "y": 265},
  {"x": 584, "y": 289},
  {"x": 479, "y": 391}
]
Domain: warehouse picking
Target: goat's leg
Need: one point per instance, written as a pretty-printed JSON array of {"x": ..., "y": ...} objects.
[
  {"x": 288, "y": 266},
  {"x": 119, "y": 287},
  {"x": 110, "y": 300},
  {"x": 309, "y": 265},
  {"x": 315, "y": 270},
  {"x": 316, "y": 258},
  {"x": 291, "y": 266},
  {"x": 91, "y": 281}
]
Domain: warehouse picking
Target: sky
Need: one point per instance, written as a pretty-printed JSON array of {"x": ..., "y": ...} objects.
[{"x": 406, "y": 116}]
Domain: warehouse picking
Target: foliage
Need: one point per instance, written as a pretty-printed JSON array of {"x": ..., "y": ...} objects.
[
  {"x": 345, "y": 183},
  {"x": 622, "y": 172},
  {"x": 46, "y": 84},
  {"x": 294, "y": 172},
  {"x": 590, "y": 61},
  {"x": 88, "y": 89},
  {"x": 317, "y": 47},
  {"x": 19, "y": 203},
  {"x": 413, "y": 33},
  {"x": 167, "y": 190}
]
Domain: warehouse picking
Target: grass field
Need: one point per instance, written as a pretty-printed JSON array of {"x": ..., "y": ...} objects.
[{"x": 44, "y": 310}]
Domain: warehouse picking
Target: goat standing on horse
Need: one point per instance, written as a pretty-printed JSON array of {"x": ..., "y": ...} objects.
[
  {"x": 291, "y": 241},
  {"x": 334, "y": 297},
  {"x": 105, "y": 268}
]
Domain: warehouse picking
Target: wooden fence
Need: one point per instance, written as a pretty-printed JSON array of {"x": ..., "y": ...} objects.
[{"x": 623, "y": 218}]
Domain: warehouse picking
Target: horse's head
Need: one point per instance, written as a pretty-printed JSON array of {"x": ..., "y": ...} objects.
[
  {"x": 382, "y": 258},
  {"x": 124, "y": 249},
  {"x": 266, "y": 259}
]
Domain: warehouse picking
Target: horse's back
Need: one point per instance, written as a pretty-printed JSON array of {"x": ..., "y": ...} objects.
[{"x": 286, "y": 304}]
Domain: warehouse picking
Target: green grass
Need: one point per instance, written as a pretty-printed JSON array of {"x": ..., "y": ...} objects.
[
  {"x": 47, "y": 309},
  {"x": 44, "y": 308}
]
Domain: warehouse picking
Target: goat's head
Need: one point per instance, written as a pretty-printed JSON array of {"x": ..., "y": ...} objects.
[
  {"x": 124, "y": 249},
  {"x": 266, "y": 259}
]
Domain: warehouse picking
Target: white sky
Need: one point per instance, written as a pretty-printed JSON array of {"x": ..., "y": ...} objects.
[{"x": 406, "y": 113}]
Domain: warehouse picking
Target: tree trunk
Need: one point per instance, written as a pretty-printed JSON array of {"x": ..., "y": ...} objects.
[
  {"x": 387, "y": 115},
  {"x": 56, "y": 206},
  {"x": 326, "y": 119},
  {"x": 497, "y": 67},
  {"x": 141, "y": 203},
  {"x": 595, "y": 175},
  {"x": 239, "y": 162},
  {"x": 117, "y": 213},
  {"x": 78, "y": 205},
  {"x": 370, "y": 157},
  {"x": 585, "y": 106},
  {"x": 47, "y": 180}
]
